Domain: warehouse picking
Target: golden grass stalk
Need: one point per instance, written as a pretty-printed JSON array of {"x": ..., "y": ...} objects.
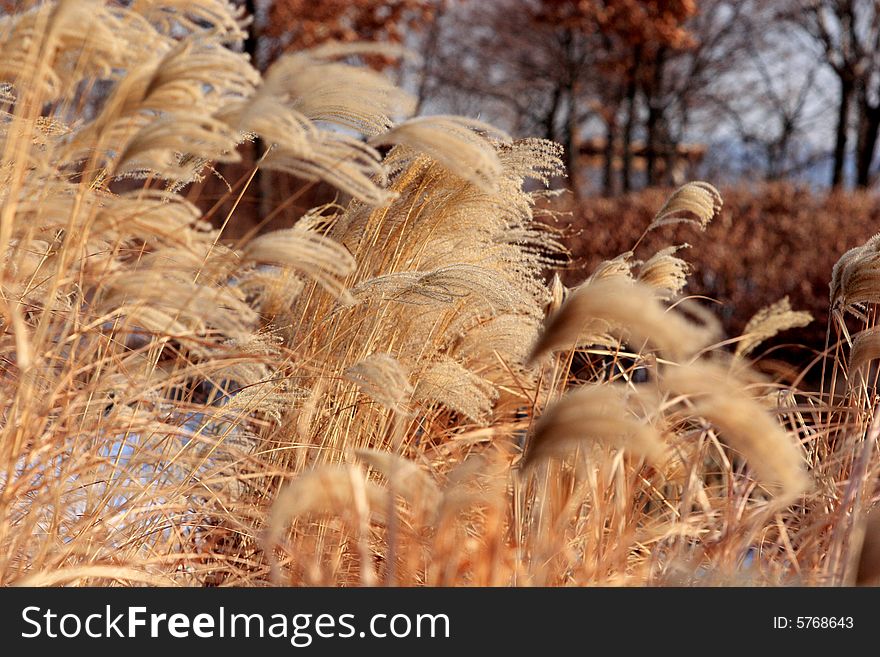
[
  {"x": 714, "y": 394},
  {"x": 457, "y": 143},
  {"x": 665, "y": 272},
  {"x": 453, "y": 385},
  {"x": 381, "y": 378},
  {"x": 769, "y": 321},
  {"x": 177, "y": 409},
  {"x": 865, "y": 348},
  {"x": 324, "y": 491},
  {"x": 631, "y": 311},
  {"x": 696, "y": 203},
  {"x": 407, "y": 479},
  {"x": 596, "y": 415},
  {"x": 855, "y": 276}
]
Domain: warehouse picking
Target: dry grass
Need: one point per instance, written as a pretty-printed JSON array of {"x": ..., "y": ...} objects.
[{"x": 388, "y": 392}]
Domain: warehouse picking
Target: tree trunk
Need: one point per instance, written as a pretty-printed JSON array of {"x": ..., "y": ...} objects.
[
  {"x": 654, "y": 122},
  {"x": 866, "y": 154},
  {"x": 671, "y": 175},
  {"x": 565, "y": 96},
  {"x": 846, "y": 92},
  {"x": 572, "y": 143},
  {"x": 629, "y": 128},
  {"x": 550, "y": 116},
  {"x": 608, "y": 164},
  {"x": 869, "y": 125},
  {"x": 652, "y": 144},
  {"x": 429, "y": 53}
]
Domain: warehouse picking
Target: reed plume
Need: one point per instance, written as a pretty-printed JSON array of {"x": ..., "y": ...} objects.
[{"x": 353, "y": 399}]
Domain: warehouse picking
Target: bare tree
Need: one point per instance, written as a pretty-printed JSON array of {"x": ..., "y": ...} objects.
[
  {"x": 554, "y": 67},
  {"x": 678, "y": 82},
  {"x": 529, "y": 75},
  {"x": 848, "y": 33},
  {"x": 768, "y": 99},
  {"x": 868, "y": 95}
]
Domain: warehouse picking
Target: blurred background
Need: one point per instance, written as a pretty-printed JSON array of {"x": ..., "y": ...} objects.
[{"x": 776, "y": 102}]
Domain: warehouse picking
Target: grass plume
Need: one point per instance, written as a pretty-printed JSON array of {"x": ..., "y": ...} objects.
[{"x": 352, "y": 400}]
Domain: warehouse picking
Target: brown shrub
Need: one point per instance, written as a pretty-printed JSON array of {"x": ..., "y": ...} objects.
[{"x": 770, "y": 241}]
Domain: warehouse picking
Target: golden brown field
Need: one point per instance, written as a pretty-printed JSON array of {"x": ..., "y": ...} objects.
[{"x": 397, "y": 389}]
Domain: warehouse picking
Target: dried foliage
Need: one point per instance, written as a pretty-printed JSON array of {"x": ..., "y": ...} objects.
[
  {"x": 297, "y": 24},
  {"x": 388, "y": 392},
  {"x": 768, "y": 243}
]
